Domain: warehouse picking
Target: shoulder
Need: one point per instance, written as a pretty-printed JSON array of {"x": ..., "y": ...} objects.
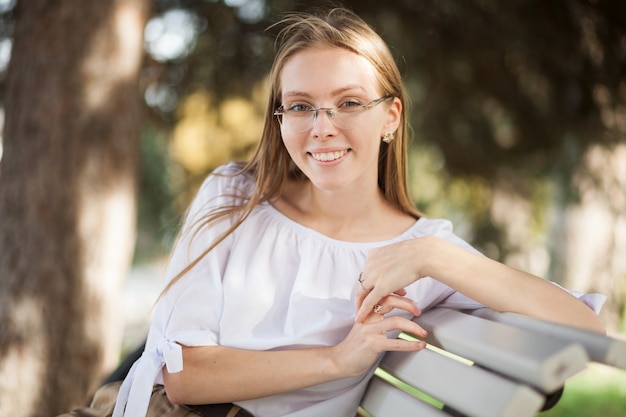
[
  {"x": 231, "y": 169},
  {"x": 228, "y": 180},
  {"x": 440, "y": 228},
  {"x": 228, "y": 185},
  {"x": 230, "y": 173},
  {"x": 428, "y": 226}
]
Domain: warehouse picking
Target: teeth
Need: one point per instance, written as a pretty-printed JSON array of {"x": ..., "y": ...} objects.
[{"x": 328, "y": 156}]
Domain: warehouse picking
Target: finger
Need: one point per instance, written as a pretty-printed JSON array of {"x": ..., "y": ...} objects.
[
  {"x": 378, "y": 309},
  {"x": 418, "y": 331},
  {"x": 373, "y": 317},
  {"x": 400, "y": 345},
  {"x": 369, "y": 289},
  {"x": 362, "y": 290},
  {"x": 388, "y": 304},
  {"x": 391, "y": 302},
  {"x": 402, "y": 324},
  {"x": 365, "y": 306},
  {"x": 405, "y": 304},
  {"x": 359, "y": 299}
]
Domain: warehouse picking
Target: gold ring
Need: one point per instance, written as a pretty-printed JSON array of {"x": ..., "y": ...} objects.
[{"x": 378, "y": 309}]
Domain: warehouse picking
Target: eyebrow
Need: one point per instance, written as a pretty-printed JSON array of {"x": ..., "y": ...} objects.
[{"x": 337, "y": 91}]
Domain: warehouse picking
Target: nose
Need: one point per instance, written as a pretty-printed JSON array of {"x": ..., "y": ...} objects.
[{"x": 323, "y": 126}]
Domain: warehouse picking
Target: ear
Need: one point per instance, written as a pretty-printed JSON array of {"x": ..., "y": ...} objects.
[{"x": 393, "y": 117}]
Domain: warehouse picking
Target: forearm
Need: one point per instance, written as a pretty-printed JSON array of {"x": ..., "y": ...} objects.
[
  {"x": 506, "y": 289},
  {"x": 218, "y": 374}
]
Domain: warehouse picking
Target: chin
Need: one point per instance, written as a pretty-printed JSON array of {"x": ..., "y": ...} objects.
[{"x": 328, "y": 184}]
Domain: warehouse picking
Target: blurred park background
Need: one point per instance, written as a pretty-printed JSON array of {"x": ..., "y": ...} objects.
[{"x": 115, "y": 110}]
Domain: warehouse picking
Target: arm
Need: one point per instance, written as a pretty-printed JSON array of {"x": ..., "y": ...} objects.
[
  {"x": 215, "y": 374},
  {"x": 486, "y": 281}
]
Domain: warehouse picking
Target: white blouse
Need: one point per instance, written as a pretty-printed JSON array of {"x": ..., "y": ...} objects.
[{"x": 272, "y": 284}]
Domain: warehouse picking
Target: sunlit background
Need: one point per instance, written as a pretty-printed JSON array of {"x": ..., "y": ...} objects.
[
  {"x": 519, "y": 134},
  {"x": 516, "y": 210}
]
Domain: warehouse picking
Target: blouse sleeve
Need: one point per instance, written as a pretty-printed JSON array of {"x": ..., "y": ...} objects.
[{"x": 189, "y": 311}]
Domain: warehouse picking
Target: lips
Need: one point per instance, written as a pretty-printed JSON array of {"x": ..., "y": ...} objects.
[{"x": 328, "y": 156}]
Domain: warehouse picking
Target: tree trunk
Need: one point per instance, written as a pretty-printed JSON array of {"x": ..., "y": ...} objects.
[
  {"x": 585, "y": 233},
  {"x": 585, "y": 229},
  {"x": 595, "y": 230},
  {"x": 67, "y": 198}
]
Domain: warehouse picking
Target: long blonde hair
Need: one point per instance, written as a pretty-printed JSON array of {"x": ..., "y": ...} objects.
[{"x": 271, "y": 166}]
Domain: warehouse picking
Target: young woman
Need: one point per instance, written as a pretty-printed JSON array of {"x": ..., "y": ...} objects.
[{"x": 294, "y": 271}]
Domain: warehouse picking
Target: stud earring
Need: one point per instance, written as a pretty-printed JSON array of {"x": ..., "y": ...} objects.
[{"x": 388, "y": 137}]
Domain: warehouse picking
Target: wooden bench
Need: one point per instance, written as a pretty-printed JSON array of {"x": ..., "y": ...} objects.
[{"x": 484, "y": 364}]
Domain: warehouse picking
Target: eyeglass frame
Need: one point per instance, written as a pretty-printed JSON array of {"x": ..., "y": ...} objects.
[{"x": 280, "y": 111}]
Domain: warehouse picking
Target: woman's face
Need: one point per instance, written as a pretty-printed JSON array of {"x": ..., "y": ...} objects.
[{"x": 343, "y": 151}]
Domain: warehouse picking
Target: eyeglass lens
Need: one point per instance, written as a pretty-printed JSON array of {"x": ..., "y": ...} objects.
[{"x": 343, "y": 117}]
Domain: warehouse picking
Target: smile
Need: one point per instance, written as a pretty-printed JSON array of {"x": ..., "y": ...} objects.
[{"x": 328, "y": 156}]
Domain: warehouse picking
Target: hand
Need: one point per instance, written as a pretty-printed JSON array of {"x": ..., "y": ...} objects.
[
  {"x": 389, "y": 269},
  {"x": 368, "y": 339}
]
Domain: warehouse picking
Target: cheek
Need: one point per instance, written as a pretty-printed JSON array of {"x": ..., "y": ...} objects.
[
  {"x": 369, "y": 148},
  {"x": 370, "y": 129},
  {"x": 368, "y": 139},
  {"x": 293, "y": 143}
]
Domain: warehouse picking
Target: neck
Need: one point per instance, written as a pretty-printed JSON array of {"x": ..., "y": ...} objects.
[
  {"x": 362, "y": 215},
  {"x": 342, "y": 206}
]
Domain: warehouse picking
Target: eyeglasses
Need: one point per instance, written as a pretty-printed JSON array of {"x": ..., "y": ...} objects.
[{"x": 300, "y": 118}]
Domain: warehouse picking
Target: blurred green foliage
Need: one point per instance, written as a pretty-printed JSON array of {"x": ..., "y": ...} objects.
[
  {"x": 508, "y": 100},
  {"x": 597, "y": 392},
  {"x": 160, "y": 182},
  {"x": 502, "y": 93}
]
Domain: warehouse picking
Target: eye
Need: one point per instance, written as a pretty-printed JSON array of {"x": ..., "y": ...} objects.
[
  {"x": 349, "y": 105},
  {"x": 299, "y": 108}
]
